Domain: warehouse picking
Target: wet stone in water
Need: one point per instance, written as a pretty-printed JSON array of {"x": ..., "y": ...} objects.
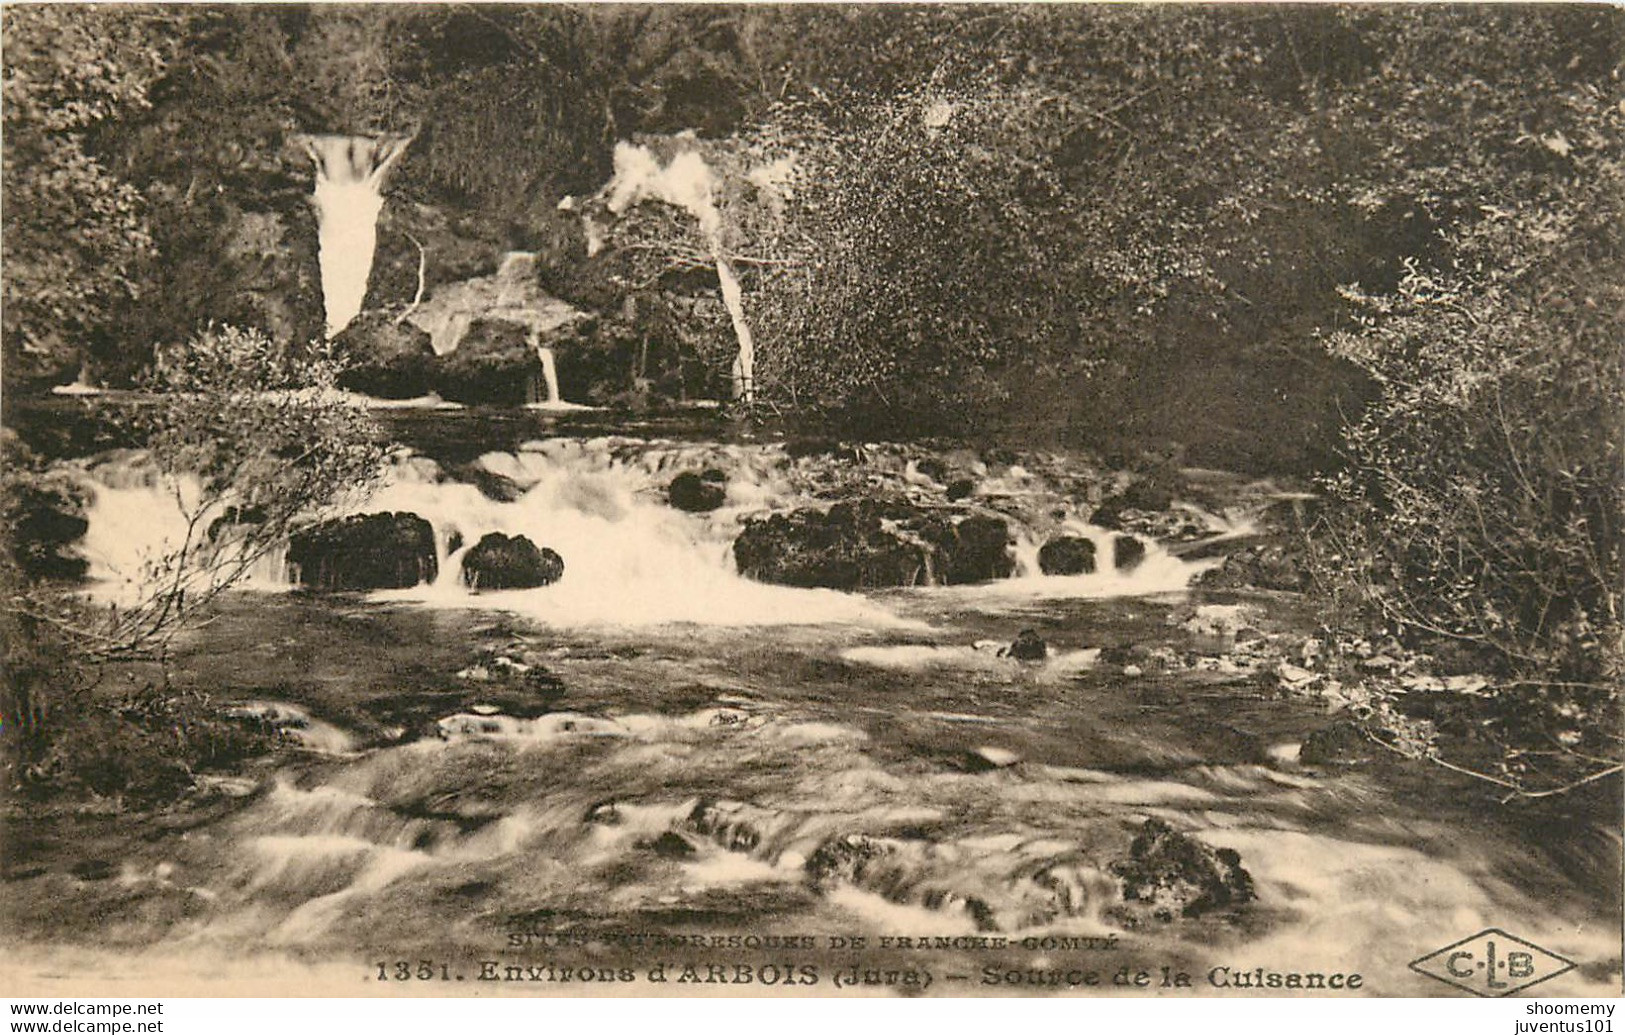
[
  {"x": 499, "y": 561},
  {"x": 1067, "y": 555},
  {"x": 1168, "y": 874},
  {"x": 698, "y": 493},
  {"x": 846, "y": 858},
  {"x": 365, "y": 551},
  {"x": 1127, "y": 553},
  {"x": 1027, "y": 647},
  {"x": 670, "y": 845}
]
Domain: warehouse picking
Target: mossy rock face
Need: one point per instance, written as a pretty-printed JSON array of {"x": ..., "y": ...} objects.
[
  {"x": 385, "y": 359},
  {"x": 43, "y": 516},
  {"x": 494, "y": 364},
  {"x": 365, "y": 552},
  {"x": 866, "y": 543}
]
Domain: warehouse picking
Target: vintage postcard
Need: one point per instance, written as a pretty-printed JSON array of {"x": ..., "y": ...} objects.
[{"x": 812, "y": 500}]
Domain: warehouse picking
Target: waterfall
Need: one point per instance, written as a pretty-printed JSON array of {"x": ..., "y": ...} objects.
[
  {"x": 733, "y": 298},
  {"x": 689, "y": 183},
  {"x": 515, "y": 276},
  {"x": 550, "y": 375},
  {"x": 350, "y": 172}
]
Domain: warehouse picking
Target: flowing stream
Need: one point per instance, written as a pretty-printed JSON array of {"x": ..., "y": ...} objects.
[{"x": 604, "y": 774}]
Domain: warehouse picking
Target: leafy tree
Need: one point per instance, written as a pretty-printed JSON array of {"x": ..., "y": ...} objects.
[
  {"x": 74, "y": 232},
  {"x": 249, "y": 439}
]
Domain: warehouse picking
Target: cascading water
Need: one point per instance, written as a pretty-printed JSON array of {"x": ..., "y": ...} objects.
[
  {"x": 689, "y": 183},
  {"x": 550, "y": 376},
  {"x": 631, "y": 559},
  {"x": 350, "y": 174}
]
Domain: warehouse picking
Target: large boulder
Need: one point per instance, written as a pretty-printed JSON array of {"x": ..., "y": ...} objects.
[
  {"x": 500, "y": 561},
  {"x": 1170, "y": 874},
  {"x": 494, "y": 363},
  {"x": 975, "y": 549},
  {"x": 1344, "y": 742},
  {"x": 364, "y": 552},
  {"x": 864, "y": 543},
  {"x": 1027, "y": 646},
  {"x": 1067, "y": 555},
  {"x": 385, "y": 358},
  {"x": 1277, "y": 565}
]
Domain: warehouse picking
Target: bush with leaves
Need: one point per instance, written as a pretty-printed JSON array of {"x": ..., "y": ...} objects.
[
  {"x": 249, "y": 439},
  {"x": 74, "y": 230},
  {"x": 1480, "y": 509}
]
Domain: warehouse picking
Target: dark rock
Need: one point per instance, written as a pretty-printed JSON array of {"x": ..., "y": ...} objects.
[
  {"x": 1266, "y": 565},
  {"x": 494, "y": 363},
  {"x": 385, "y": 359},
  {"x": 960, "y": 488},
  {"x": 605, "y": 813},
  {"x": 1147, "y": 494},
  {"x": 671, "y": 845},
  {"x": 1067, "y": 555},
  {"x": 846, "y": 858},
  {"x": 1127, "y": 553},
  {"x": 514, "y": 679},
  {"x": 734, "y": 825},
  {"x": 1341, "y": 743},
  {"x": 499, "y": 561},
  {"x": 698, "y": 493},
  {"x": 1027, "y": 647},
  {"x": 978, "y": 551},
  {"x": 797, "y": 448},
  {"x": 932, "y": 468},
  {"x": 493, "y": 486},
  {"x": 872, "y": 543},
  {"x": 1171, "y": 874},
  {"x": 1152, "y": 493},
  {"x": 42, "y": 516},
  {"x": 365, "y": 551},
  {"x": 1165, "y": 526}
]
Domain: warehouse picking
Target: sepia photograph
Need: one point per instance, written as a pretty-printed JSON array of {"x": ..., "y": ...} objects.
[{"x": 1114, "y": 501}]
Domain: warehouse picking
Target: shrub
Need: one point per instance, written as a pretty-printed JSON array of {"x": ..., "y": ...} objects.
[
  {"x": 242, "y": 426},
  {"x": 250, "y": 439},
  {"x": 1479, "y": 510}
]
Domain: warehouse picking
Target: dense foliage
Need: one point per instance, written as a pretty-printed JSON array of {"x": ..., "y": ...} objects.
[
  {"x": 74, "y": 231},
  {"x": 1480, "y": 508}
]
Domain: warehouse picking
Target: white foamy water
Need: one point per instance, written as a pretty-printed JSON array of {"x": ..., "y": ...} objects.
[
  {"x": 1157, "y": 572},
  {"x": 630, "y": 558}
]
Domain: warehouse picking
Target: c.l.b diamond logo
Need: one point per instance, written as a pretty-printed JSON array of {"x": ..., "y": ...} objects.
[{"x": 1492, "y": 963}]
